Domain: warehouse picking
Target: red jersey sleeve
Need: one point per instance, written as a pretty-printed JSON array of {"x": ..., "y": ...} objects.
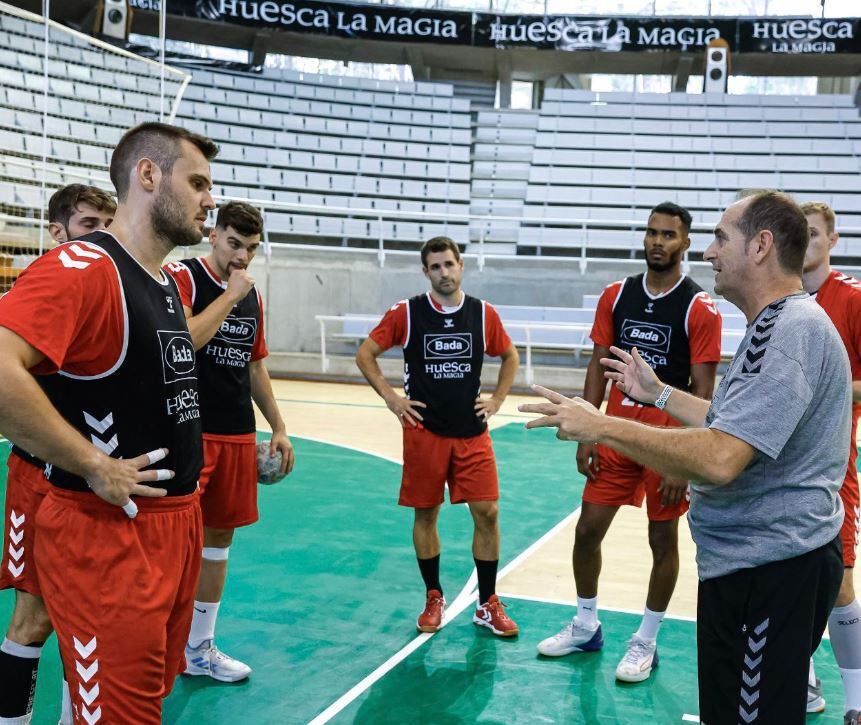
[
  {"x": 184, "y": 282},
  {"x": 602, "y": 328},
  {"x": 391, "y": 331},
  {"x": 853, "y": 345},
  {"x": 496, "y": 339},
  {"x": 67, "y": 304},
  {"x": 704, "y": 330},
  {"x": 259, "y": 349}
]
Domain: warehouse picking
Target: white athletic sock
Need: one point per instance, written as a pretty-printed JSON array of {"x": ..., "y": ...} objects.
[
  {"x": 587, "y": 612},
  {"x": 66, "y": 707},
  {"x": 844, "y": 626},
  {"x": 651, "y": 625},
  {"x": 203, "y": 622},
  {"x": 811, "y": 675}
]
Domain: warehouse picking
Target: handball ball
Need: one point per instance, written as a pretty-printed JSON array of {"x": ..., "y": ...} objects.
[{"x": 268, "y": 467}]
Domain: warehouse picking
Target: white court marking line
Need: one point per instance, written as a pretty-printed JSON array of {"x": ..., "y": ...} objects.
[
  {"x": 461, "y": 602},
  {"x": 565, "y": 603},
  {"x": 690, "y": 718},
  {"x": 340, "y": 445}
]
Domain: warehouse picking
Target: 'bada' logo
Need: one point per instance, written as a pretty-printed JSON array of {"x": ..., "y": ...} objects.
[
  {"x": 645, "y": 334},
  {"x": 238, "y": 329},
  {"x": 179, "y": 356},
  {"x": 448, "y": 346}
]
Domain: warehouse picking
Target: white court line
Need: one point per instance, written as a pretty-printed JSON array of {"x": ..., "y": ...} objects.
[
  {"x": 340, "y": 445},
  {"x": 567, "y": 603},
  {"x": 690, "y": 718},
  {"x": 463, "y": 600}
]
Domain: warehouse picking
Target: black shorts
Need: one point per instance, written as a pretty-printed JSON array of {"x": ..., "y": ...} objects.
[{"x": 756, "y": 631}]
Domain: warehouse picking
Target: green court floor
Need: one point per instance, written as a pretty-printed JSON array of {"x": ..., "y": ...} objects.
[{"x": 325, "y": 589}]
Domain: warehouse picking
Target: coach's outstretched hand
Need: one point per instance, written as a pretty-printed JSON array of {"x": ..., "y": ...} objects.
[
  {"x": 116, "y": 479},
  {"x": 633, "y": 375},
  {"x": 575, "y": 418}
]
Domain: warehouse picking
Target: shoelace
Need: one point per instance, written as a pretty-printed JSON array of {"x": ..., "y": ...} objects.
[{"x": 637, "y": 650}]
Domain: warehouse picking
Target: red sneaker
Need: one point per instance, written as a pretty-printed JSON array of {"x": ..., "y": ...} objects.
[
  {"x": 430, "y": 619},
  {"x": 492, "y": 615}
]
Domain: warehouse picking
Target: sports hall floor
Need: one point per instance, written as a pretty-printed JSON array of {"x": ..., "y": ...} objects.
[{"x": 323, "y": 593}]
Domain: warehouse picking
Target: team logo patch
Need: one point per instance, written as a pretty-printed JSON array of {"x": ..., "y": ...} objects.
[
  {"x": 177, "y": 355},
  {"x": 450, "y": 346},
  {"x": 238, "y": 330},
  {"x": 646, "y": 334}
]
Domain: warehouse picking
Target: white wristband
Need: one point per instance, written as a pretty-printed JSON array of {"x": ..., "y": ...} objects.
[{"x": 661, "y": 402}]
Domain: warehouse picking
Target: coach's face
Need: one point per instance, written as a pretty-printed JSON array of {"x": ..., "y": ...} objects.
[
  {"x": 728, "y": 253},
  {"x": 180, "y": 207}
]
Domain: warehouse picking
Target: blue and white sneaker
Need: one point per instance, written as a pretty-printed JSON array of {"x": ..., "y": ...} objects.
[
  {"x": 573, "y": 637},
  {"x": 207, "y": 660},
  {"x": 815, "y": 701},
  {"x": 640, "y": 659}
]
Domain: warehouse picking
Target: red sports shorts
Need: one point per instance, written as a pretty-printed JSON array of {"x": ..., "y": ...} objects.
[
  {"x": 623, "y": 482},
  {"x": 26, "y": 486},
  {"x": 120, "y": 594},
  {"x": 850, "y": 496},
  {"x": 228, "y": 481},
  {"x": 467, "y": 464}
]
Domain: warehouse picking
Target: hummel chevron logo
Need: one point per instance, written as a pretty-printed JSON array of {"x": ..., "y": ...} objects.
[
  {"x": 67, "y": 261},
  {"x": 16, "y": 554},
  {"x": 15, "y": 519},
  {"x": 99, "y": 425},
  {"x": 87, "y": 673},
  {"x": 751, "y": 698},
  {"x": 105, "y": 446},
  {"x": 751, "y": 663},
  {"x": 750, "y": 681},
  {"x": 16, "y": 570},
  {"x": 761, "y": 627},
  {"x": 84, "y": 650},
  {"x": 91, "y": 717},
  {"x": 16, "y": 536},
  {"x": 747, "y": 716},
  {"x": 89, "y": 696}
]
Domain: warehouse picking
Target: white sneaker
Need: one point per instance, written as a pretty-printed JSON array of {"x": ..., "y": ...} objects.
[
  {"x": 639, "y": 660},
  {"x": 815, "y": 701},
  {"x": 207, "y": 659},
  {"x": 573, "y": 637}
]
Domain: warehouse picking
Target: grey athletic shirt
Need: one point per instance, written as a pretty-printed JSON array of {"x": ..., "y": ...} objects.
[{"x": 788, "y": 393}]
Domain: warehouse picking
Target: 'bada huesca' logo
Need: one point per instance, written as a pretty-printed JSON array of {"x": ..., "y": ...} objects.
[
  {"x": 449, "y": 346},
  {"x": 238, "y": 330},
  {"x": 646, "y": 334},
  {"x": 177, "y": 354}
]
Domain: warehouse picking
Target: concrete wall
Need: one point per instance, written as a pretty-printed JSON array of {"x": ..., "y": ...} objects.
[{"x": 304, "y": 282}]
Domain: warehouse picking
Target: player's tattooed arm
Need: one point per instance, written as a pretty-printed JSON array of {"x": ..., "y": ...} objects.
[{"x": 406, "y": 410}]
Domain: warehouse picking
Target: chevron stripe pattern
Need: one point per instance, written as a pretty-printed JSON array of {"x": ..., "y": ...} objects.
[
  {"x": 751, "y": 673},
  {"x": 101, "y": 441},
  {"x": 87, "y": 669},
  {"x": 753, "y": 356},
  {"x": 15, "y": 562}
]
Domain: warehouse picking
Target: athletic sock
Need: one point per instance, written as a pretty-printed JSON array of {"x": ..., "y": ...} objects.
[
  {"x": 650, "y": 625},
  {"x": 486, "y": 571},
  {"x": 19, "y": 665},
  {"x": 203, "y": 622},
  {"x": 811, "y": 675},
  {"x": 430, "y": 573},
  {"x": 587, "y": 612},
  {"x": 844, "y": 626}
]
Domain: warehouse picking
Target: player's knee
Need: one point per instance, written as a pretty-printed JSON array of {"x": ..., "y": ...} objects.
[
  {"x": 426, "y": 518},
  {"x": 663, "y": 541},
  {"x": 846, "y": 595},
  {"x": 588, "y": 536},
  {"x": 217, "y": 538},
  {"x": 485, "y": 514},
  {"x": 30, "y": 622}
]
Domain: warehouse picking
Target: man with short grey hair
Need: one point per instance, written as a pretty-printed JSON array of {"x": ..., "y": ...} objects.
[{"x": 767, "y": 458}]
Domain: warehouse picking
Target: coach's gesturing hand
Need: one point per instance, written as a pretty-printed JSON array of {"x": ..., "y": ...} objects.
[
  {"x": 633, "y": 375},
  {"x": 575, "y": 418},
  {"x": 116, "y": 479},
  {"x": 405, "y": 409}
]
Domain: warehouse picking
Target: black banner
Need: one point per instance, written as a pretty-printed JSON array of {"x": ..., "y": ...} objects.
[
  {"x": 550, "y": 32},
  {"x": 344, "y": 20},
  {"x": 609, "y": 34}
]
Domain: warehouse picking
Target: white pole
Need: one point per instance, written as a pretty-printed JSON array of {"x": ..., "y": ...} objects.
[
  {"x": 46, "y": 11},
  {"x": 162, "y": 32}
]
